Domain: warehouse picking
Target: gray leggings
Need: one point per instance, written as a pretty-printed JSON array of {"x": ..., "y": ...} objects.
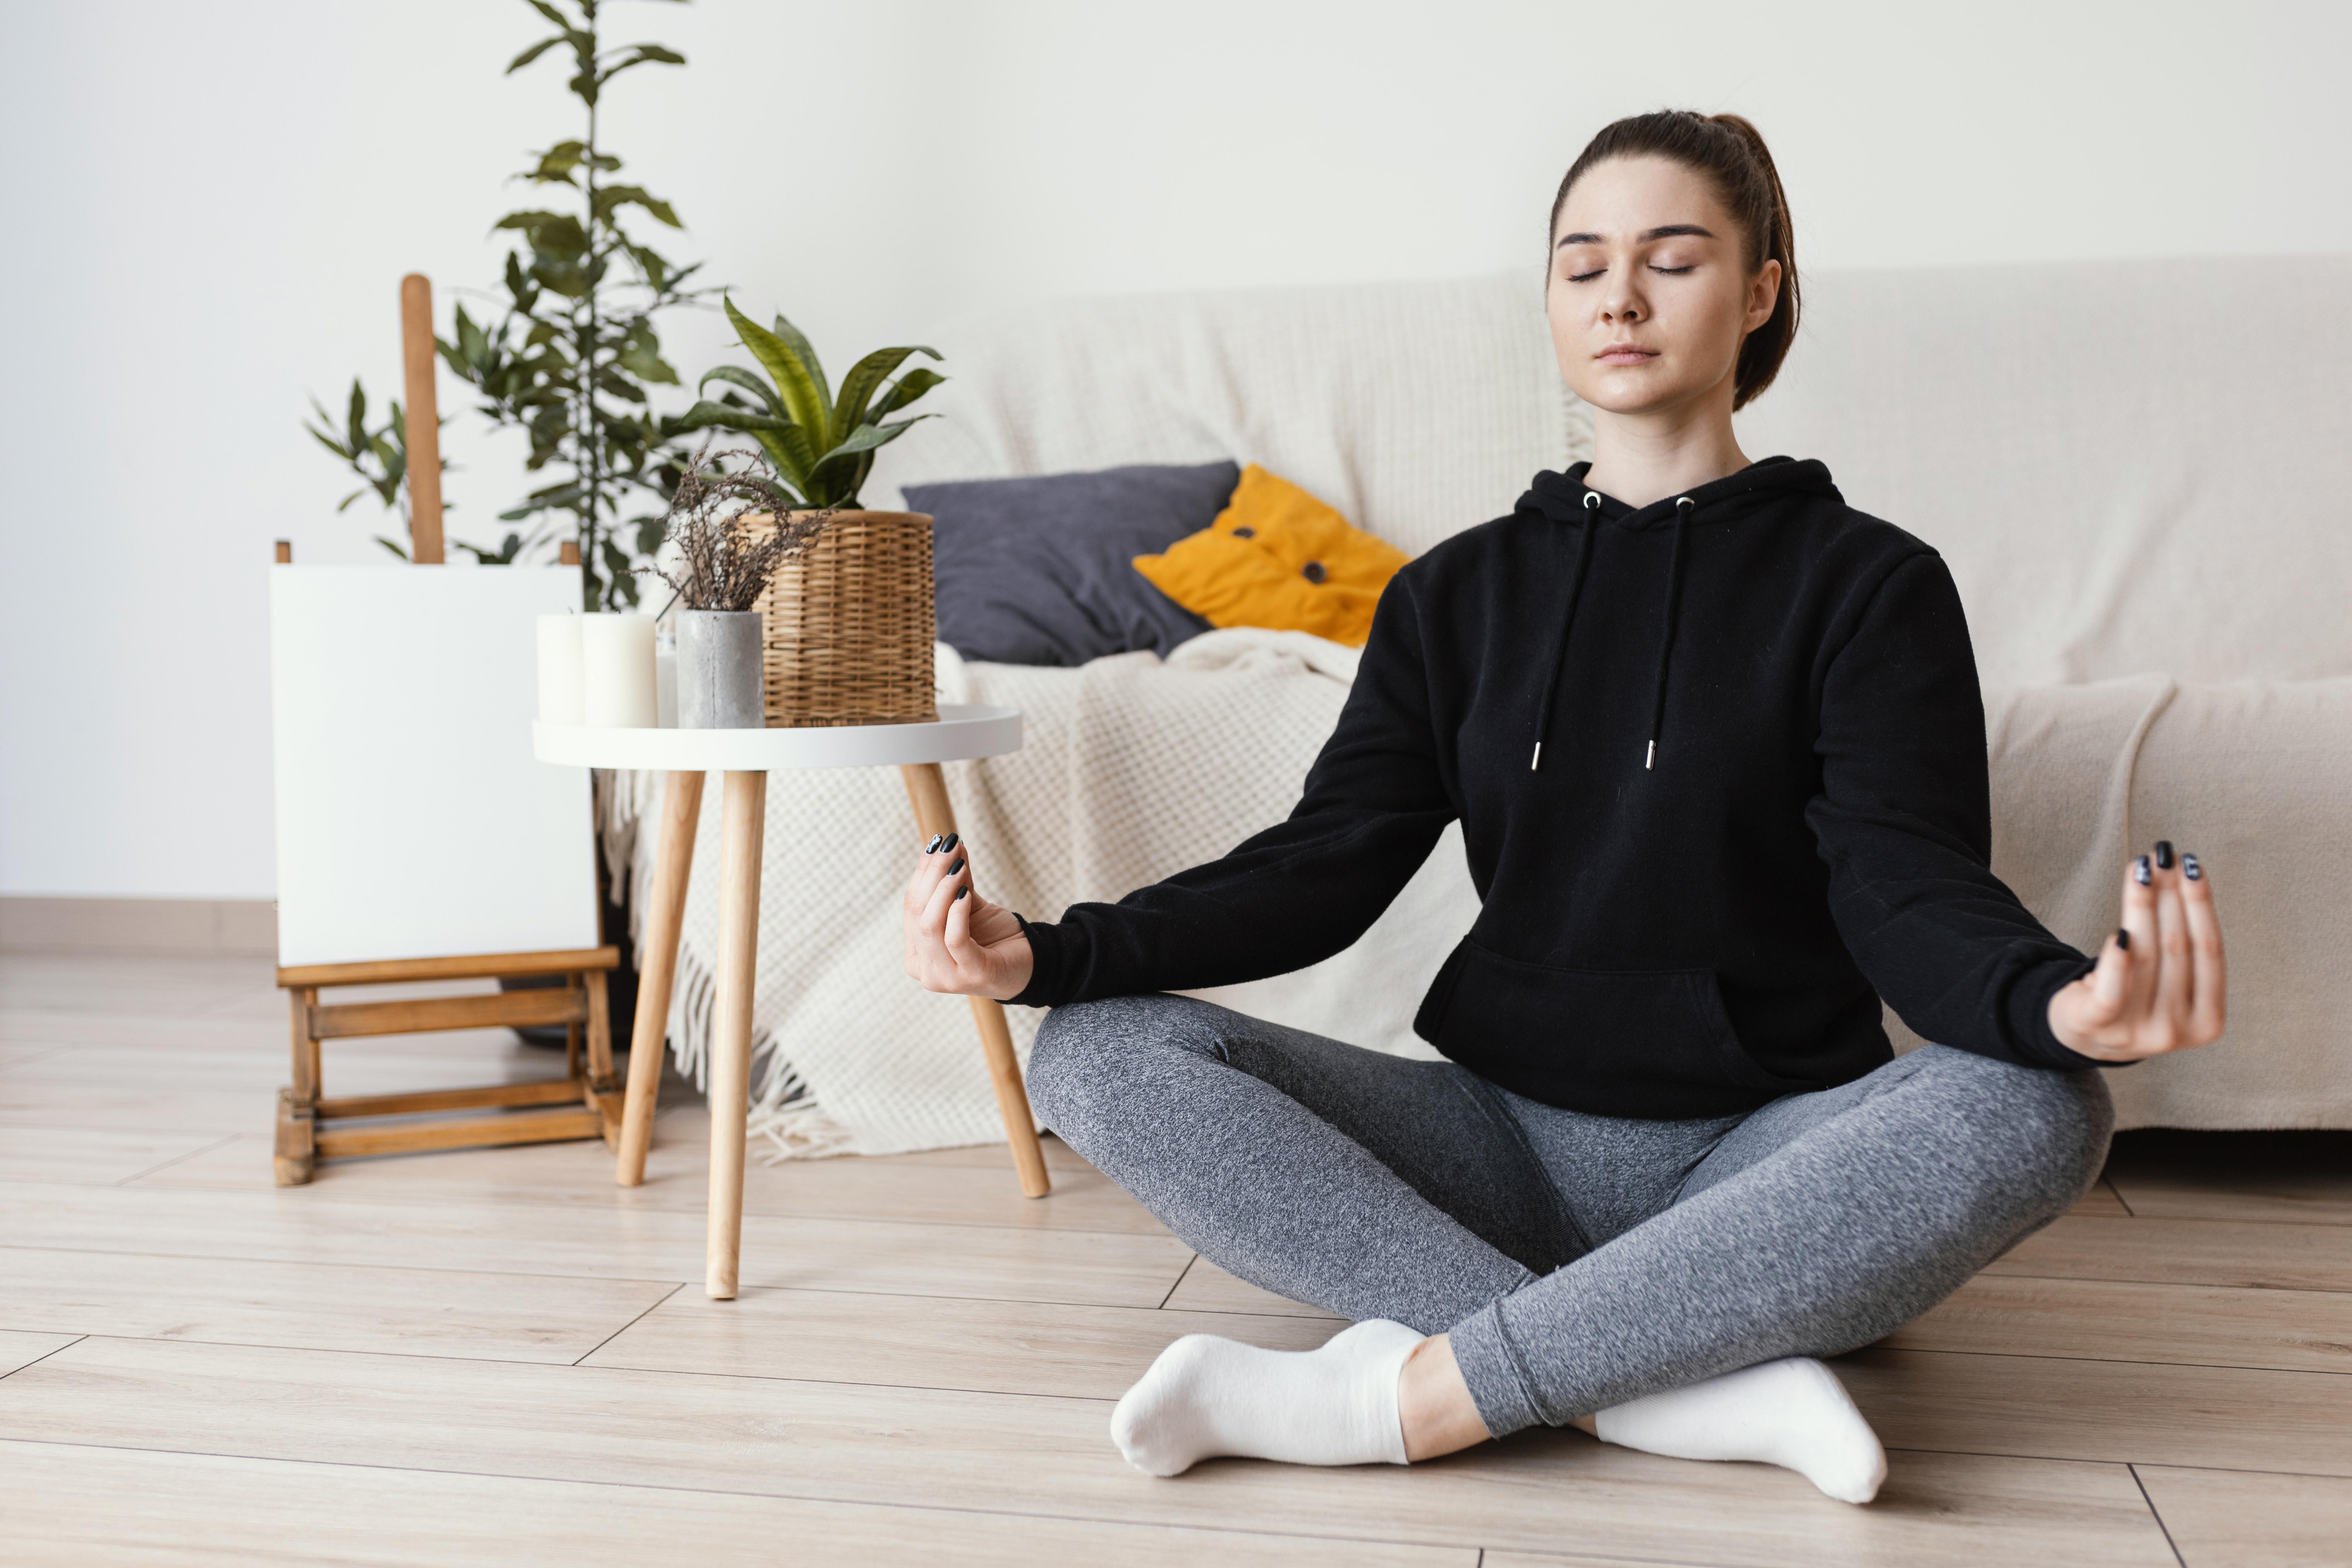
[{"x": 1578, "y": 1261}]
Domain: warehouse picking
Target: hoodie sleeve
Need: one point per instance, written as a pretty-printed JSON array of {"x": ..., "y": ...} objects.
[
  {"x": 1373, "y": 806},
  {"x": 1904, "y": 823}
]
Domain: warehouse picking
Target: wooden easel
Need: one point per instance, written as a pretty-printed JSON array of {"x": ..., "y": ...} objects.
[{"x": 586, "y": 1100}]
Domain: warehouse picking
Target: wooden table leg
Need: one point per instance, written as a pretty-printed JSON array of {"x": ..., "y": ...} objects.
[
  {"x": 927, "y": 787},
  {"x": 657, "y": 969},
  {"x": 742, "y": 839}
]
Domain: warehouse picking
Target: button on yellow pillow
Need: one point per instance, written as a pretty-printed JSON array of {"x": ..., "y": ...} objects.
[{"x": 1277, "y": 557}]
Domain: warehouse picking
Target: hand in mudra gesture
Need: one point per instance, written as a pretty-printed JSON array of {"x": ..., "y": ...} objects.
[
  {"x": 956, "y": 941},
  {"x": 2161, "y": 983}
]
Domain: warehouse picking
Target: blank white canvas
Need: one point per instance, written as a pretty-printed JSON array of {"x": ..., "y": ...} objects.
[{"x": 413, "y": 821}]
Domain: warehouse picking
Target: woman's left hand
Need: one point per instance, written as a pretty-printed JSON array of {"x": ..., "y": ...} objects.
[{"x": 2161, "y": 983}]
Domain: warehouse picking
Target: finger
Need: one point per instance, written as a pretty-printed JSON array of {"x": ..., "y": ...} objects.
[
  {"x": 2140, "y": 921},
  {"x": 934, "y": 920},
  {"x": 2109, "y": 982},
  {"x": 2175, "y": 973},
  {"x": 965, "y": 952},
  {"x": 928, "y": 866},
  {"x": 2209, "y": 1011}
]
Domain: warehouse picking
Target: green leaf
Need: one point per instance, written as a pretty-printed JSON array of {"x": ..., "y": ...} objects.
[
  {"x": 801, "y": 389},
  {"x": 647, "y": 365},
  {"x": 905, "y": 390},
  {"x": 858, "y": 385},
  {"x": 611, "y": 198},
  {"x": 532, "y": 53},
  {"x": 392, "y": 546},
  {"x": 807, "y": 351},
  {"x": 706, "y": 415},
  {"x": 865, "y": 438},
  {"x": 738, "y": 376}
]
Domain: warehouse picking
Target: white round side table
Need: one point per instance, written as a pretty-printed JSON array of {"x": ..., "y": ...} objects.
[{"x": 746, "y": 757}]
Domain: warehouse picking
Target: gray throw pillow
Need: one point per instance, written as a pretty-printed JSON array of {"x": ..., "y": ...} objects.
[{"x": 1041, "y": 570}]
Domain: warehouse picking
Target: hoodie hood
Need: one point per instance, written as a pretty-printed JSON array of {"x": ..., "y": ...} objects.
[{"x": 1563, "y": 497}]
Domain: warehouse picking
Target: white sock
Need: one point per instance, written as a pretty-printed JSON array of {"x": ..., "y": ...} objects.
[
  {"x": 1207, "y": 1395},
  {"x": 1792, "y": 1413}
]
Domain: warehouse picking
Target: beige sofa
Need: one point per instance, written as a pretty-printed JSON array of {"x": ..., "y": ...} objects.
[{"x": 2139, "y": 472}]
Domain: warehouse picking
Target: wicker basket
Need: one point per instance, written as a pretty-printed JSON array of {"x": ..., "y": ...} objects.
[{"x": 846, "y": 625}]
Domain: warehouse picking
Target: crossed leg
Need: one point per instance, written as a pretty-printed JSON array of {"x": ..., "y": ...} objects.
[{"x": 1581, "y": 1268}]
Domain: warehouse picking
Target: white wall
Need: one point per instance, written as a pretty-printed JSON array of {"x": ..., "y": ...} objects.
[{"x": 209, "y": 208}]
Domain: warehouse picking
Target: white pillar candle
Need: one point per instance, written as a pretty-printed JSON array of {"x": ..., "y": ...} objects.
[
  {"x": 559, "y": 669},
  {"x": 617, "y": 662},
  {"x": 665, "y": 680}
]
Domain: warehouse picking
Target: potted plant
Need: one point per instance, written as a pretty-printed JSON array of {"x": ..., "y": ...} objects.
[
  {"x": 728, "y": 543},
  {"x": 575, "y": 359},
  {"x": 847, "y": 621}
]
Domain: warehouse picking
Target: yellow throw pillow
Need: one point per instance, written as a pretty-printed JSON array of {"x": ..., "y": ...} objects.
[{"x": 1277, "y": 557}]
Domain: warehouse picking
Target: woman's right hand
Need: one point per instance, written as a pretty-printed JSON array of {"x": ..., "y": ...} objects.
[{"x": 956, "y": 941}]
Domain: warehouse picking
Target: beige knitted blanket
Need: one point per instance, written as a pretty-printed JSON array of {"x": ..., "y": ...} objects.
[{"x": 1133, "y": 770}]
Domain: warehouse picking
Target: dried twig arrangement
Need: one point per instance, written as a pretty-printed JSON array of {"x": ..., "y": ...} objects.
[{"x": 724, "y": 559}]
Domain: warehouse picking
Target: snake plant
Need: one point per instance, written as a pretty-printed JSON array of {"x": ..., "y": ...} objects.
[{"x": 823, "y": 445}]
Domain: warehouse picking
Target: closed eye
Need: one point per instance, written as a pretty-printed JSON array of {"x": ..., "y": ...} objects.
[
  {"x": 1674, "y": 271},
  {"x": 1585, "y": 276}
]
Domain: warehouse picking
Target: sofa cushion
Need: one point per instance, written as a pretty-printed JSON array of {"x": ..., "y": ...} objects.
[
  {"x": 1277, "y": 557},
  {"x": 1038, "y": 570}
]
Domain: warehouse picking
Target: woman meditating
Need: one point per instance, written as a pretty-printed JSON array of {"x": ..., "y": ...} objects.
[{"x": 1716, "y": 746}]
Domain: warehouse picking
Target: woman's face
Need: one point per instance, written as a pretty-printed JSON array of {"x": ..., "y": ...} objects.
[{"x": 1650, "y": 295}]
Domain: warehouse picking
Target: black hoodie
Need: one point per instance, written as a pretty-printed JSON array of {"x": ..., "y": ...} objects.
[{"x": 1720, "y": 767}]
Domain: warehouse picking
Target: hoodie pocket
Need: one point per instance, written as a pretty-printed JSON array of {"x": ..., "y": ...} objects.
[{"x": 1652, "y": 1043}]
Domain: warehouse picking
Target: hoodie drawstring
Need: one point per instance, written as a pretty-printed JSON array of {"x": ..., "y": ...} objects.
[
  {"x": 1683, "y": 506},
  {"x": 1566, "y": 622}
]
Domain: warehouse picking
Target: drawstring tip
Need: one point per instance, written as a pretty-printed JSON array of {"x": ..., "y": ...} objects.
[
  {"x": 1651, "y": 757},
  {"x": 1537, "y": 761}
]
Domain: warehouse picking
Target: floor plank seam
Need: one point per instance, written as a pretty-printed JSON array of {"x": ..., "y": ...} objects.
[
  {"x": 44, "y": 1355},
  {"x": 222, "y": 1143},
  {"x": 1181, "y": 1273},
  {"x": 2158, "y": 1514},
  {"x": 523, "y": 1273},
  {"x": 1112, "y": 1518},
  {"x": 466, "y": 1360},
  {"x": 2124, "y": 1463},
  {"x": 392, "y": 1267},
  {"x": 625, "y": 1328},
  {"x": 2122, "y": 1361},
  {"x": 517, "y": 1202},
  {"x": 1998, "y": 1273}
]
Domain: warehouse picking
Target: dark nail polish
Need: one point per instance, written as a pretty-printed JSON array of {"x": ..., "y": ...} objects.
[
  {"x": 2191, "y": 869},
  {"x": 2164, "y": 853},
  {"x": 961, "y": 891},
  {"x": 2142, "y": 872},
  {"x": 947, "y": 844},
  {"x": 2123, "y": 939},
  {"x": 957, "y": 866},
  {"x": 933, "y": 847}
]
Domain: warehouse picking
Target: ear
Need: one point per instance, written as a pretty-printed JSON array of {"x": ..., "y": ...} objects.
[{"x": 1763, "y": 295}]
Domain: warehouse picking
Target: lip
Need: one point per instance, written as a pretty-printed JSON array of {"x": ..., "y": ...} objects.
[{"x": 1625, "y": 353}]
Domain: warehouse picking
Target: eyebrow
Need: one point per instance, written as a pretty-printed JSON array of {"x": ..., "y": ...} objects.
[{"x": 1666, "y": 231}]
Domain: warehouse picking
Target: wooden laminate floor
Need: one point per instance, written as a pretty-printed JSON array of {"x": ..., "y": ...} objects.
[{"x": 499, "y": 1357}]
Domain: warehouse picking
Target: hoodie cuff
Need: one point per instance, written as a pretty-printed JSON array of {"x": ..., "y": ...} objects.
[{"x": 1044, "y": 987}]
